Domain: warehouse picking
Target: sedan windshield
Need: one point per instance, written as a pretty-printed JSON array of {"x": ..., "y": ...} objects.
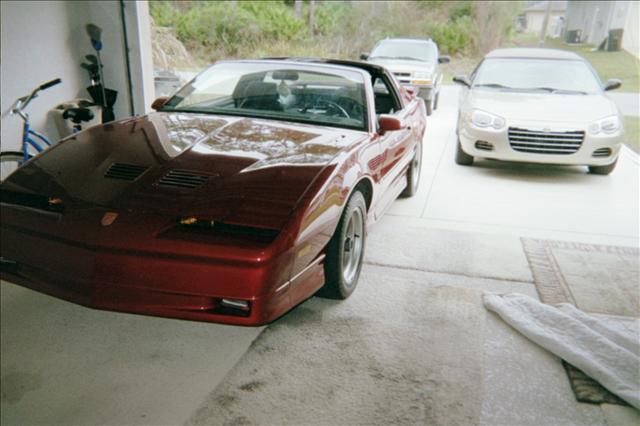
[
  {"x": 279, "y": 91},
  {"x": 544, "y": 75},
  {"x": 411, "y": 50}
]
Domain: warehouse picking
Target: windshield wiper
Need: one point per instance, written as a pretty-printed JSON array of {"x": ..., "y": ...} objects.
[
  {"x": 493, "y": 86},
  {"x": 410, "y": 58},
  {"x": 381, "y": 57},
  {"x": 554, "y": 90}
]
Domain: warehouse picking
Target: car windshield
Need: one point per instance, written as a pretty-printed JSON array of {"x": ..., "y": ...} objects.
[
  {"x": 544, "y": 75},
  {"x": 301, "y": 93},
  {"x": 411, "y": 50}
]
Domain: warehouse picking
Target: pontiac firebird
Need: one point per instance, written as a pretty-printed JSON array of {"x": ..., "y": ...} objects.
[{"x": 248, "y": 191}]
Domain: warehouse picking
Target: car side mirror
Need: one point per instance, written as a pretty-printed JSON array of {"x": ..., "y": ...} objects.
[
  {"x": 444, "y": 59},
  {"x": 612, "y": 84},
  {"x": 462, "y": 79},
  {"x": 364, "y": 56},
  {"x": 159, "y": 102},
  {"x": 389, "y": 123}
]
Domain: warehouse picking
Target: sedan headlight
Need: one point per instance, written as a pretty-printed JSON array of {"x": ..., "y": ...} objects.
[
  {"x": 484, "y": 120},
  {"x": 607, "y": 126}
]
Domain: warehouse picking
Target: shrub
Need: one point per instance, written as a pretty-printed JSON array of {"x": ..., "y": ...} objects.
[{"x": 453, "y": 37}]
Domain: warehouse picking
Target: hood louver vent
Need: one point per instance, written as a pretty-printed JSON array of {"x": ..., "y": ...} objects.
[
  {"x": 182, "y": 179},
  {"x": 124, "y": 171}
]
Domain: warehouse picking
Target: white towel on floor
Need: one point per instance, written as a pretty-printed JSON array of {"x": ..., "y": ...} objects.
[{"x": 599, "y": 346}]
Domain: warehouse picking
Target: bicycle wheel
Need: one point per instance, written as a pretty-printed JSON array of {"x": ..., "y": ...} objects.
[{"x": 9, "y": 162}]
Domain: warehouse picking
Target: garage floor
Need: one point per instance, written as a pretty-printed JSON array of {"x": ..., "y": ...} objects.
[{"x": 413, "y": 345}]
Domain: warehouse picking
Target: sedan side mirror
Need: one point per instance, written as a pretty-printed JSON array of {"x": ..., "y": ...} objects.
[
  {"x": 364, "y": 56},
  {"x": 444, "y": 59},
  {"x": 612, "y": 84},
  {"x": 462, "y": 79},
  {"x": 159, "y": 103},
  {"x": 389, "y": 123}
]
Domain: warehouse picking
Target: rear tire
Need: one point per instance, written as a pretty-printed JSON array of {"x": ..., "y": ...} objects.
[
  {"x": 346, "y": 250},
  {"x": 413, "y": 173},
  {"x": 462, "y": 158},
  {"x": 429, "y": 103},
  {"x": 9, "y": 162},
  {"x": 435, "y": 101},
  {"x": 603, "y": 170}
]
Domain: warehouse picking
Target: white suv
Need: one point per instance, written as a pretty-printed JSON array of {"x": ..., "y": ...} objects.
[{"x": 414, "y": 63}]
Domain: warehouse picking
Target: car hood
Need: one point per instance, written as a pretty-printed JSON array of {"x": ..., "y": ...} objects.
[
  {"x": 549, "y": 107},
  {"x": 399, "y": 65},
  {"x": 238, "y": 170}
]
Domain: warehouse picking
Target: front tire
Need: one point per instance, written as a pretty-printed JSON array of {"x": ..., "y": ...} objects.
[
  {"x": 346, "y": 250},
  {"x": 462, "y": 158},
  {"x": 413, "y": 173},
  {"x": 603, "y": 170},
  {"x": 429, "y": 103}
]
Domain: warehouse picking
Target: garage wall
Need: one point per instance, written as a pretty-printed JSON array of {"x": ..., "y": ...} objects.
[
  {"x": 44, "y": 40},
  {"x": 38, "y": 44}
]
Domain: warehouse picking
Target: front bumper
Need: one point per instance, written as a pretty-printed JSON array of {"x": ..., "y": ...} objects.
[
  {"x": 476, "y": 142},
  {"x": 181, "y": 285}
]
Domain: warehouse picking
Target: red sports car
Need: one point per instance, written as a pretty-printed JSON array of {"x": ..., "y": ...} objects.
[{"x": 247, "y": 191}]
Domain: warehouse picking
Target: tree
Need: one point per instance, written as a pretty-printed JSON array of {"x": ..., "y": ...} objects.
[{"x": 297, "y": 6}]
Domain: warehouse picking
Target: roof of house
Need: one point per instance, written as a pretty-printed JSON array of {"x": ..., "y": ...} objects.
[
  {"x": 541, "y": 6},
  {"x": 533, "y": 53}
]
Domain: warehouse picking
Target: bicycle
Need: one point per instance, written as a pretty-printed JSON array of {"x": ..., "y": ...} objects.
[{"x": 11, "y": 160}]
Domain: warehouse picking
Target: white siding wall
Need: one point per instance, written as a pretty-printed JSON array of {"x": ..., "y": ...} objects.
[
  {"x": 44, "y": 40},
  {"x": 631, "y": 36}
]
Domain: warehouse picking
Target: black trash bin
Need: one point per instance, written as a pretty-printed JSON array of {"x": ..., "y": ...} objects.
[{"x": 615, "y": 40}]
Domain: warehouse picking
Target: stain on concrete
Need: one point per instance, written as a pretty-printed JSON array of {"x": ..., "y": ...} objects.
[
  {"x": 251, "y": 386},
  {"x": 15, "y": 385}
]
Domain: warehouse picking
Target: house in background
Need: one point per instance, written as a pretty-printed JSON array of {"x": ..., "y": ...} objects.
[
  {"x": 534, "y": 18},
  {"x": 613, "y": 24}
]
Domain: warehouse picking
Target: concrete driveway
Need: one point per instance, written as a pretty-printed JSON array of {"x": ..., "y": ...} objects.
[{"x": 428, "y": 261}]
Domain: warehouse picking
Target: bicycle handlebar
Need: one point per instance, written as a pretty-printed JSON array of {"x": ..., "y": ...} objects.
[
  {"x": 21, "y": 103},
  {"x": 50, "y": 84}
]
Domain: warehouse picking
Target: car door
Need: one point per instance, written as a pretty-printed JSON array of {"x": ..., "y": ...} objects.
[{"x": 397, "y": 147}]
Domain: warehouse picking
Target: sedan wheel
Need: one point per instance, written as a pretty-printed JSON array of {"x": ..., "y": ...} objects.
[
  {"x": 603, "y": 170},
  {"x": 462, "y": 157},
  {"x": 346, "y": 251}
]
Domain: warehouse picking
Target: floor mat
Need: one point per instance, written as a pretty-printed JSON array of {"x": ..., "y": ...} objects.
[
  {"x": 566, "y": 272},
  {"x": 588, "y": 390}
]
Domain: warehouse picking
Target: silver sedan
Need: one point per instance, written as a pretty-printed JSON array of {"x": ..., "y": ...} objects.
[{"x": 538, "y": 106}]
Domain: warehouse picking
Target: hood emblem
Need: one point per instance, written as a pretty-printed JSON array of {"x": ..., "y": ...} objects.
[{"x": 108, "y": 218}]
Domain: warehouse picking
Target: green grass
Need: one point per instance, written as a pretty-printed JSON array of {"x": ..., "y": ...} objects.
[
  {"x": 622, "y": 64},
  {"x": 632, "y": 132}
]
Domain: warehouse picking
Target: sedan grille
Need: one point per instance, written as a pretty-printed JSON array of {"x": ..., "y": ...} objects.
[
  {"x": 182, "y": 179},
  {"x": 402, "y": 74},
  {"x": 124, "y": 171},
  {"x": 537, "y": 142}
]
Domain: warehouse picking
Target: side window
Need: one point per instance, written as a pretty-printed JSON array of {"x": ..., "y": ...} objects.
[{"x": 385, "y": 102}]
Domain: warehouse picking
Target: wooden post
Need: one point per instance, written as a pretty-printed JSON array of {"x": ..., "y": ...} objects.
[
  {"x": 297, "y": 7},
  {"x": 312, "y": 23}
]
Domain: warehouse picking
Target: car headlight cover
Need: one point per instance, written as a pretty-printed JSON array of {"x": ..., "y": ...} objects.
[
  {"x": 607, "y": 125},
  {"x": 483, "y": 119}
]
